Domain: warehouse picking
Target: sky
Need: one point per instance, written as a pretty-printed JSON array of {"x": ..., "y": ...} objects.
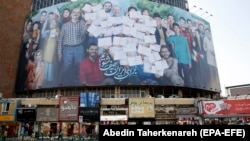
[{"x": 230, "y": 27}]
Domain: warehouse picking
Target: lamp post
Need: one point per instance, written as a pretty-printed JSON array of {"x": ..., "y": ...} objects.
[
  {"x": 208, "y": 16},
  {"x": 192, "y": 7},
  {"x": 198, "y": 10},
  {"x": 204, "y": 13}
]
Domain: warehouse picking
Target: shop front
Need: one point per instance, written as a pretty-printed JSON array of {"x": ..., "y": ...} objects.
[
  {"x": 188, "y": 116},
  {"x": 230, "y": 111},
  {"x": 46, "y": 121},
  {"x": 7, "y": 122},
  {"x": 89, "y": 118},
  {"x": 141, "y": 111},
  {"x": 168, "y": 111},
  {"x": 7, "y": 117},
  {"x": 165, "y": 115},
  {"x": 27, "y": 118},
  {"x": 114, "y": 119},
  {"x": 68, "y": 115}
]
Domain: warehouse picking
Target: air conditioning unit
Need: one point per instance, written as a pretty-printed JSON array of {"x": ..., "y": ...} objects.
[
  {"x": 160, "y": 96},
  {"x": 173, "y": 96}
]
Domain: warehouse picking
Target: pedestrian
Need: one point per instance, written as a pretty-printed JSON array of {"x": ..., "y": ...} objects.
[
  {"x": 60, "y": 136},
  {"x": 50, "y": 133},
  {"x": 5, "y": 134}
]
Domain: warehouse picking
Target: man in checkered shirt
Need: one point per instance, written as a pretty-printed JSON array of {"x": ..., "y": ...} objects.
[{"x": 71, "y": 49}]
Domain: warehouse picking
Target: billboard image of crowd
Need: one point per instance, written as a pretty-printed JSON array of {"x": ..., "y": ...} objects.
[{"x": 116, "y": 42}]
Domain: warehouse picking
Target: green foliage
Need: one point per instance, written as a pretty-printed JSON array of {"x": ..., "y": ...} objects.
[
  {"x": 199, "y": 19},
  {"x": 75, "y": 4},
  {"x": 31, "y": 14},
  {"x": 153, "y": 7}
]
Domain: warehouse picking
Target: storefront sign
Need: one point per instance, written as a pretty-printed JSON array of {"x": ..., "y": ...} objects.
[
  {"x": 26, "y": 114},
  {"x": 80, "y": 118},
  {"x": 141, "y": 108},
  {"x": 113, "y": 101},
  {"x": 114, "y": 118},
  {"x": 165, "y": 116},
  {"x": 47, "y": 114},
  {"x": 90, "y": 113},
  {"x": 187, "y": 111},
  {"x": 68, "y": 110},
  {"x": 7, "y": 118},
  {"x": 89, "y": 99}
]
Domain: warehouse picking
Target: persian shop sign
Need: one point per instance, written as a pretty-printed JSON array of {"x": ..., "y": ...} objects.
[
  {"x": 7, "y": 118},
  {"x": 69, "y": 108},
  {"x": 47, "y": 114},
  {"x": 141, "y": 108}
]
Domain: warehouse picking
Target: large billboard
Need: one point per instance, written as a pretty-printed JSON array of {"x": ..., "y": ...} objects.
[
  {"x": 225, "y": 107},
  {"x": 116, "y": 42}
]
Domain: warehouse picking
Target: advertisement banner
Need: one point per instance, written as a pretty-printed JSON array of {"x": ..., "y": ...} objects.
[
  {"x": 118, "y": 42},
  {"x": 226, "y": 107},
  {"x": 187, "y": 111},
  {"x": 141, "y": 108},
  {"x": 68, "y": 108},
  {"x": 26, "y": 114},
  {"x": 90, "y": 113},
  {"x": 89, "y": 99},
  {"x": 47, "y": 114}
]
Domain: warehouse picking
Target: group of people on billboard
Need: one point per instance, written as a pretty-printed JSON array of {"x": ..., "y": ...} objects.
[{"x": 105, "y": 43}]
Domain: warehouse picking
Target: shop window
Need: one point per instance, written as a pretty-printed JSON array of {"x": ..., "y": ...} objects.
[{"x": 130, "y": 92}]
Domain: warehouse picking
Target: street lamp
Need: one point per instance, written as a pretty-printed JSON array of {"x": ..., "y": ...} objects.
[
  {"x": 198, "y": 10},
  {"x": 192, "y": 7},
  {"x": 204, "y": 13},
  {"x": 208, "y": 16}
]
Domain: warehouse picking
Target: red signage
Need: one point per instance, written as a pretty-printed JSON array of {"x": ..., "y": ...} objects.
[
  {"x": 225, "y": 107},
  {"x": 68, "y": 110}
]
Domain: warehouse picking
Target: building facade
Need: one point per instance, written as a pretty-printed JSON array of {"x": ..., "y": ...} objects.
[{"x": 173, "y": 103}]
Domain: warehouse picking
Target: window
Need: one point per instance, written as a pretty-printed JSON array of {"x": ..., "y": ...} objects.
[
  {"x": 108, "y": 92},
  {"x": 128, "y": 92},
  {"x": 5, "y": 108}
]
